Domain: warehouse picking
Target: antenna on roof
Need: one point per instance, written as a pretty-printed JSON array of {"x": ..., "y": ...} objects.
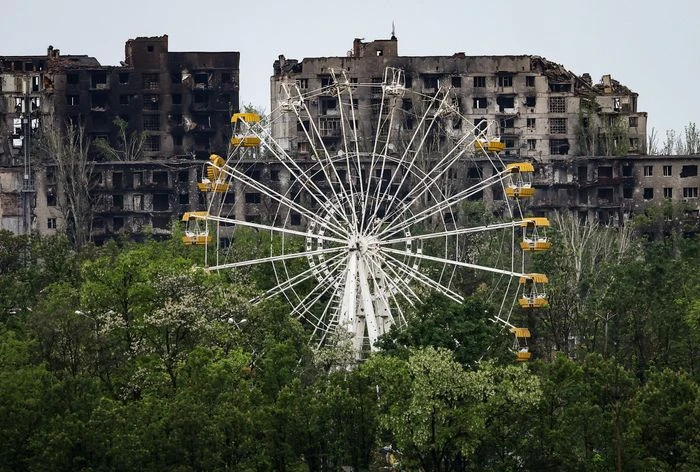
[{"x": 393, "y": 30}]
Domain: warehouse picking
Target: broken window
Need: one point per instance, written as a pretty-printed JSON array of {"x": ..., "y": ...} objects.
[
  {"x": 295, "y": 219},
  {"x": 72, "y": 78},
  {"x": 150, "y": 81},
  {"x": 627, "y": 192},
  {"x": 634, "y": 121},
  {"x": 605, "y": 172},
  {"x": 151, "y": 122},
  {"x": 559, "y": 87},
  {"x": 118, "y": 202},
  {"x": 557, "y": 104},
  {"x": 184, "y": 199},
  {"x": 648, "y": 171},
  {"x": 161, "y": 202},
  {"x": 100, "y": 101},
  {"x": 473, "y": 173},
  {"x": 605, "y": 195},
  {"x": 689, "y": 171},
  {"x": 690, "y": 192},
  {"x": 667, "y": 171},
  {"x": 557, "y": 125},
  {"x": 328, "y": 105},
  {"x": 177, "y": 140},
  {"x": 99, "y": 80},
  {"x": 648, "y": 193},
  {"x": 138, "y": 201},
  {"x": 505, "y": 80},
  {"x": 51, "y": 198},
  {"x": 668, "y": 192},
  {"x": 160, "y": 178},
  {"x": 253, "y": 197},
  {"x": 627, "y": 170},
  {"x": 151, "y": 102},
  {"x": 530, "y": 101},
  {"x": 230, "y": 198},
  {"x": 481, "y": 124},
  {"x": 616, "y": 104},
  {"x": 123, "y": 78},
  {"x": 327, "y": 81},
  {"x": 137, "y": 179},
  {"x": 634, "y": 143},
  {"x": 505, "y": 101},
  {"x": 117, "y": 180},
  {"x": 507, "y": 123},
  {"x": 200, "y": 98},
  {"x": 456, "y": 82},
  {"x": 559, "y": 146},
  {"x": 201, "y": 79},
  {"x": 530, "y": 81},
  {"x": 151, "y": 144},
  {"x": 480, "y": 102},
  {"x": 531, "y": 144},
  {"x": 253, "y": 174},
  {"x": 430, "y": 82},
  {"x": 531, "y": 123}
]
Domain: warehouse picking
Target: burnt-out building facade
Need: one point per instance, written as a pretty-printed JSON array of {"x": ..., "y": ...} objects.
[
  {"x": 541, "y": 109},
  {"x": 586, "y": 140},
  {"x": 175, "y": 106}
]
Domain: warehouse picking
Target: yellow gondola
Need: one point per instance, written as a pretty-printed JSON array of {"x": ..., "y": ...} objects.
[
  {"x": 215, "y": 181},
  {"x": 241, "y": 129},
  {"x": 522, "y": 352},
  {"x": 519, "y": 183},
  {"x": 534, "y": 235},
  {"x": 493, "y": 145},
  {"x": 196, "y": 232},
  {"x": 533, "y": 295}
]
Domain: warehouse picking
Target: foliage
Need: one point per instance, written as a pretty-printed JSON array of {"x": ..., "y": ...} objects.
[{"x": 128, "y": 357}]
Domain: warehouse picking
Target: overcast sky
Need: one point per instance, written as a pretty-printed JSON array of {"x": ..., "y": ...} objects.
[{"x": 652, "y": 47}]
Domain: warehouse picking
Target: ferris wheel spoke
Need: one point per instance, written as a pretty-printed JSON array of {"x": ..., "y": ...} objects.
[
  {"x": 233, "y": 265},
  {"x": 352, "y": 218},
  {"x": 456, "y": 263},
  {"x": 276, "y": 229},
  {"x": 375, "y": 160},
  {"x": 421, "y": 278},
  {"x": 299, "y": 175},
  {"x": 408, "y": 170},
  {"x": 301, "y": 310},
  {"x": 454, "y": 232},
  {"x": 292, "y": 281},
  {"x": 398, "y": 279},
  {"x": 437, "y": 171},
  {"x": 316, "y": 294},
  {"x": 395, "y": 226},
  {"x": 333, "y": 226}
]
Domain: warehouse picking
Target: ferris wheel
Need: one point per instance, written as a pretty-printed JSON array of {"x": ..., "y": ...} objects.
[{"x": 367, "y": 217}]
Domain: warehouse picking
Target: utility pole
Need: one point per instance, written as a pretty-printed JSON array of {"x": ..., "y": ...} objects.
[{"x": 28, "y": 190}]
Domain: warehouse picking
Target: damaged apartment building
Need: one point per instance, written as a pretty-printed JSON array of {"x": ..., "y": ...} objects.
[
  {"x": 586, "y": 140},
  {"x": 179, "y": 103}
]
